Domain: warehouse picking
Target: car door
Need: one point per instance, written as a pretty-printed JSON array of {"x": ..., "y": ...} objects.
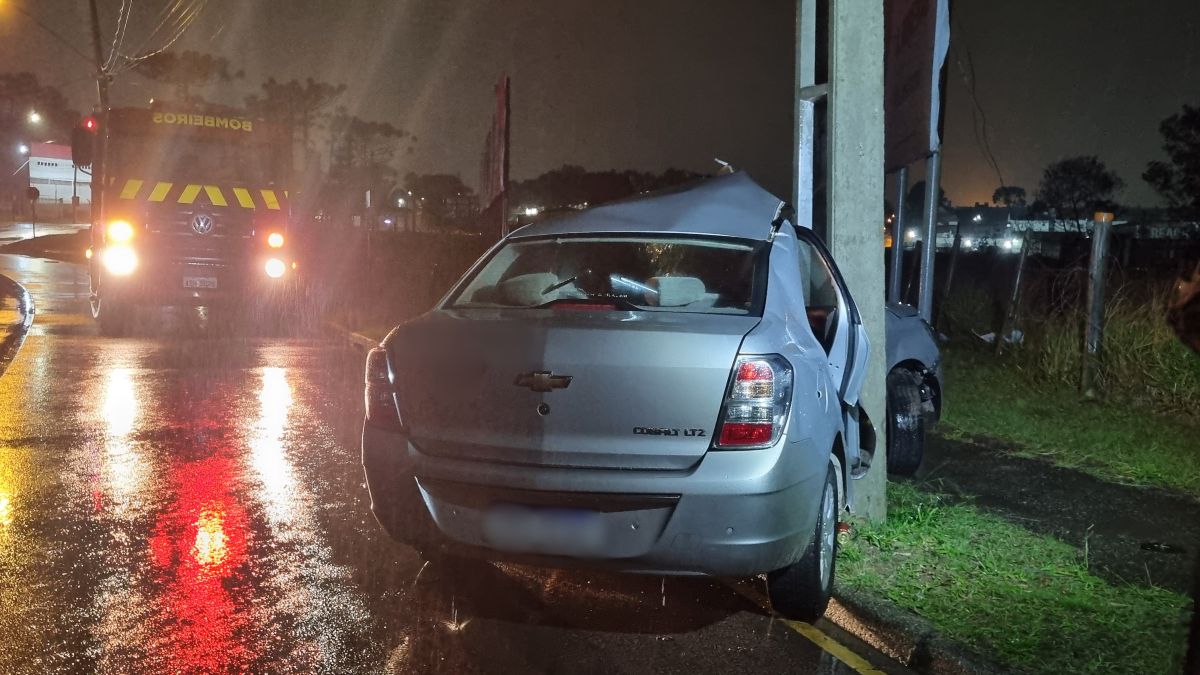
[{"x": 833, "y": 316}]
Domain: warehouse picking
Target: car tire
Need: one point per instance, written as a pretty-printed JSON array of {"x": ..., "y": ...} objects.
[
  {"x": 801, "y": 591},
  {"x": 906, "y": 423},
  {"x": 114, "y": 318}
]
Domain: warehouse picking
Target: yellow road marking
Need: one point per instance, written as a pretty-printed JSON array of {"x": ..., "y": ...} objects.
[
  {"x": 189, "y": 194},
  {"x": 160, "y": 191},
  {"x": 243, "y": 197},
  {"x": 131, "y": 188},
  {"x": 816, "y": 636},
  {"x": 271, "y": 200},
  {"x": 215, "y": 196}
]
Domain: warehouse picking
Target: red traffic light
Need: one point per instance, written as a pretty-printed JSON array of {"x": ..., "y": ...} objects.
[{"x": 89, "y": 123}]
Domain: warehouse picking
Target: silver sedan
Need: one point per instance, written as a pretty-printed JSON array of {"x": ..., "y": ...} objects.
[{"x": 665, "y": 385}]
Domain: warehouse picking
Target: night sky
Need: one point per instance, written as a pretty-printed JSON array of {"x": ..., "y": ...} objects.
[{"x": 646, "y": 85}]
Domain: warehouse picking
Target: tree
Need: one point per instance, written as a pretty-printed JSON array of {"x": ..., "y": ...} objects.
[
  {"x": 20, "y": 95},
  {"x": 1009, "y": 195},
  {"x": 914, "y": 203},
  {"x": 358, "y": 143},
  {"x": 1077, "y": 186},
  {"x": 571, "y": 185},
  {"x": 437, "y": 193},
  {"x": 1178, "y": 181},
  {"x": 186, "y": 71},
  {"x": 295, "y": 104},
  {"x": 360, "y": 156}
]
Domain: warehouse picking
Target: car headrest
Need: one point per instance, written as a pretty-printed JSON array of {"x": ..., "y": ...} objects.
[
  {"x": 526, "y": 290},
  {"x": 675, "y": 291}
]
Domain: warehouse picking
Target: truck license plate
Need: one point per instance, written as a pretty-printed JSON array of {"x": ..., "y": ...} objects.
[{"x": 199, "y": 282}]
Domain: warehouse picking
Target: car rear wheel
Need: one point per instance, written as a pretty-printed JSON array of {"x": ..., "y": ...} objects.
[
  {"x": 801, "y": 590},
  {"x": 114, "y": 317},
  {"x": 906, "y": 424}
]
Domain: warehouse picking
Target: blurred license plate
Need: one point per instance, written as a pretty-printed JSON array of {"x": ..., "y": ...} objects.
[
  {"x": 524, "y": 529},
  {"x": 199, "y": 282}
]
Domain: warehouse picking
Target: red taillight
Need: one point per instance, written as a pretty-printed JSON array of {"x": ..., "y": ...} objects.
[
  {"x": 379, "y": 396},
  {"x": 756, "y": 404},
  {"x": 752, "y": 371}
]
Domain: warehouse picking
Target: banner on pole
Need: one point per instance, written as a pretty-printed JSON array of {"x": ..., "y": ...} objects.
[
  {"x": 916, "y": 42},
  {"x": 493, "y": 170}
]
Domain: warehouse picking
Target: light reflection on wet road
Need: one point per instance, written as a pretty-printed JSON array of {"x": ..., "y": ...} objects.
[{"x": 187, "y": 502}]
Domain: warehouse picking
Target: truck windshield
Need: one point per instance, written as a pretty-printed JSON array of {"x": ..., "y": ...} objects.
[
  {"x": 183, "y": 157},
  {"x": 705, "y": 275}
]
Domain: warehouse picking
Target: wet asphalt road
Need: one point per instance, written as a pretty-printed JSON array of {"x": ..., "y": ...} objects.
[{"x": 191, "y": 500}]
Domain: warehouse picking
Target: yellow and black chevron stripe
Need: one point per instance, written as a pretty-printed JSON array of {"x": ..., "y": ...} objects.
[{"x": 187, "y": 193}]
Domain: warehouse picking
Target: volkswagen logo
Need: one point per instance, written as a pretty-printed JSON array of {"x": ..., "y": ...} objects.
[{"x": 202, "y": 224}]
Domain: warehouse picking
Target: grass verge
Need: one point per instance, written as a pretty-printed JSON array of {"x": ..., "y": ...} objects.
[
  {"x": 1112, "y": 440},
  {"x": 1027, "y": 600}
]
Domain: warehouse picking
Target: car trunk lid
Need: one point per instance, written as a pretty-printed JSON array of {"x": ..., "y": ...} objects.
[{"x": 576, "y": 387}]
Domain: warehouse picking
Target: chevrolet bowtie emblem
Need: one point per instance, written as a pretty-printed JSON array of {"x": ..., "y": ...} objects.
[{"x": 542, "y": 381}]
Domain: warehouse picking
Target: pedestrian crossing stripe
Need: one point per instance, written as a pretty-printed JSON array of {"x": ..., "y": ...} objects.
[{"x": 216, "y": 195}]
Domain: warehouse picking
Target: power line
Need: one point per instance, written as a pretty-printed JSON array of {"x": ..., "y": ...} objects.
[
  {"x": 979, "y": 125},
  {"x": 119, "y": 36},
  {"x": 181, "y": 16}
]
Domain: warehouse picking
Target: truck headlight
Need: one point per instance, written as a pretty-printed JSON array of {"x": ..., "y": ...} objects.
[
  {"x": 120, "y": 261},
  {"x": 275, "y": 268},
  {"x": 119, "y": 231}
]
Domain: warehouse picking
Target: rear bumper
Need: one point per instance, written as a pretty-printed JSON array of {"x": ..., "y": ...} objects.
[{"x": 734, "y": 514}]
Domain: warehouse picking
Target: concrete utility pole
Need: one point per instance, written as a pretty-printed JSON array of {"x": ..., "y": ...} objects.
[
  {"x": 1094, "y": 336},
  {"x": 805, "y": 112},
  {"x": 933, "y": 183},
  {"x": 855, "y": 193},
  {"x": 897, "y": 272}
]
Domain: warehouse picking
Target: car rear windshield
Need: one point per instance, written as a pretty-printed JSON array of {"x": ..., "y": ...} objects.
[{"x": 703, "y": 275}]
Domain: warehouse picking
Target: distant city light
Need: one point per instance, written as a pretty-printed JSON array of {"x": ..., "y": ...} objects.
[
  {"x": 35, "y": 117},
  {"x": 23, "y": 149},
  {"x": 401, "y": 202},
  {"x": 532, "y": 211},
  {"x": 387, "y": 221},
  {"x": 910, "y": 234},
  {"x": 1008, "y": 244},
  {"x": 978, "y": 218},
  {"x": 967, "y": 243}
]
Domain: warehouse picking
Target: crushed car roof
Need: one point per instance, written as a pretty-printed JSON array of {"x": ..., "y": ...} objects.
[{"x": 732, "y": 205}]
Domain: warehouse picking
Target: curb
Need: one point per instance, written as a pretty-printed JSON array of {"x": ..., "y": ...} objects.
[
  {"x": 904, "y": 636},
  {"x": 357, "y": 340},
  {"x": 13, "y": 335}
]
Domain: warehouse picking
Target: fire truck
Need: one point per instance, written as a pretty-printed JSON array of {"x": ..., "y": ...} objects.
[{"x": 195, "y": 211}]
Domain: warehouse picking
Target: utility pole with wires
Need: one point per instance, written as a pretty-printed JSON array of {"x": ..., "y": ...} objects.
[
  {"x": 174, "y": 19},
  {"x": 98, "y": 160}
]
